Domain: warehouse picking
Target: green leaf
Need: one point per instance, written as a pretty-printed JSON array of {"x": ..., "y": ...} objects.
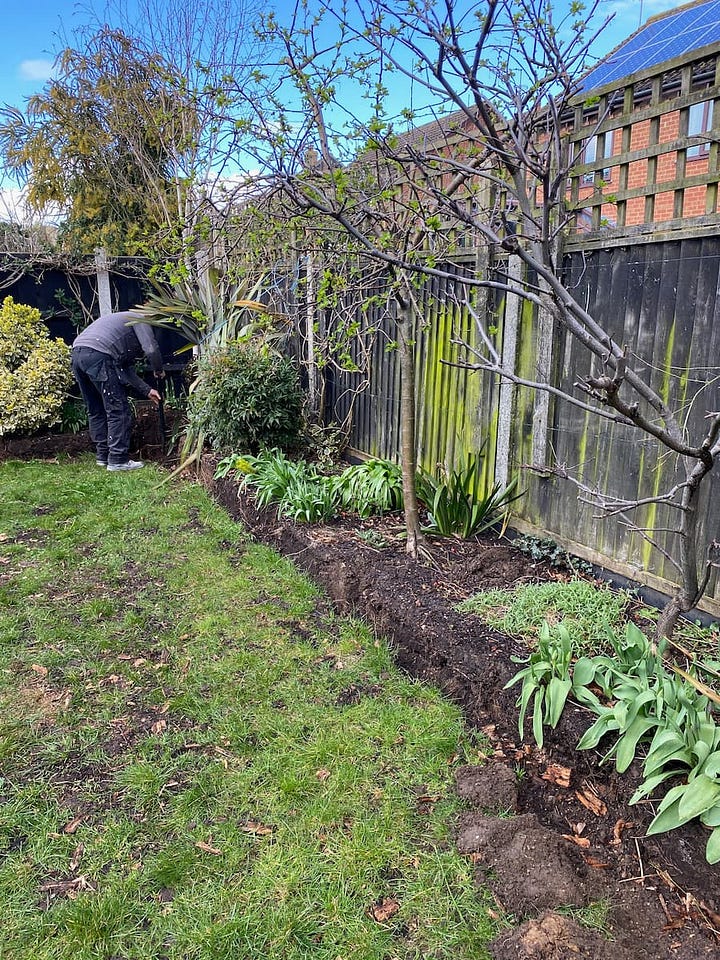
[
  {"x": 711, "y": 817},
  {"x": 627, "y": 744},
  {"x": 528, "y": 689},
  {"x": 588, "y": 699},
  {"x": 711, "y": 767},
  {"x": 557, "y": 694},
  {"x": 701, "y": 794},
  {"x": 592, "y": 737},
  {"x": 647, "y": 696},
  {"x": 712, "y": 850},
  {"x": 665, "y": 737},
  {"x": 673, "y": 755},
  {"x": 649, "y": 785},
  {"x": 583, "y": 672},
  {"x": 667, "y": 817},
  {"x": 538, "y": 717}
]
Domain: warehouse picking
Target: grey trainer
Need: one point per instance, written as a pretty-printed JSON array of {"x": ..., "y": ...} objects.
[{"x": 130, "y": 465}]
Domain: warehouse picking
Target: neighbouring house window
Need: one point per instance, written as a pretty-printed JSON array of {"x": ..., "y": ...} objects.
[
  {"x": 583, "y": 220},
  {"x": 591, "y": 152},
  {"x": 699, "y": 122}
]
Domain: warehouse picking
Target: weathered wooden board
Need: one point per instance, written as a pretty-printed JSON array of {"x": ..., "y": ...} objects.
[{"x": 660, "y": 300}]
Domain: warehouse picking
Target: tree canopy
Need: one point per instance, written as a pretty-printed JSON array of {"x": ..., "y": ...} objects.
[{"x": 125, "y": 143}]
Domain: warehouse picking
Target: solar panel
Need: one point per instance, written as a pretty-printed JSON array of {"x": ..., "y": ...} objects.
[{"x": 657, "y": 42}]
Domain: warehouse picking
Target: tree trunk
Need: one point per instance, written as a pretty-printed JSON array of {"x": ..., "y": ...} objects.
[
  {"x": 691, "y": 588},
  {"x": 406, "y": 344}
]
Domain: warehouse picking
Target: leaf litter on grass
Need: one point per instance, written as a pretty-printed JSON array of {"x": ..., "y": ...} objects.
[{"x": 227, "y": 796}]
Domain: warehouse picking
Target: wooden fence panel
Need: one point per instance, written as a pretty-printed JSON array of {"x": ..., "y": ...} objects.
[{"x": 661, "y": 300}]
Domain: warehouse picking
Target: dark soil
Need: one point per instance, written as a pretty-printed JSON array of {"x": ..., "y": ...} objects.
[{"x": 573, "y": 838}]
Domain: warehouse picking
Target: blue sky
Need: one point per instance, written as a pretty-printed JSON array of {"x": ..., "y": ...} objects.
[{"x": 33, "y": 30}]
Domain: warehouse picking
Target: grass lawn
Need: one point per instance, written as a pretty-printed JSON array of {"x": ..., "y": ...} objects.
[{"x": 197, "y": 758}]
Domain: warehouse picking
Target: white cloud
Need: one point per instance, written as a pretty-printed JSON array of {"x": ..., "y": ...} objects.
[
  {"x": 638, "y": 11},
  {"x": 14, "y": 209},
  {"x": 12, "y": 205},
  {"x": 36, "y": 69}
]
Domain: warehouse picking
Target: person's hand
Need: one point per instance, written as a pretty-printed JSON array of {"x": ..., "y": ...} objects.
[{"x": 155, "y": 397}]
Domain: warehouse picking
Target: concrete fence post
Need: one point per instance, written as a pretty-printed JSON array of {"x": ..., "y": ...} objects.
[
  {"x": 511, "y": 322},
  {"x": 103, "y": 283}
]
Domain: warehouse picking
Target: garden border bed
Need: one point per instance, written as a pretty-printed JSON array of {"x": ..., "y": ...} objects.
[{"x": 662, "y": 892}]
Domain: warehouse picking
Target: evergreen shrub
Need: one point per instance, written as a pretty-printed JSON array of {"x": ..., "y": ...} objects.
[
  {"x": 247, "y": 397},
  {"x": 35, "y": 371}
]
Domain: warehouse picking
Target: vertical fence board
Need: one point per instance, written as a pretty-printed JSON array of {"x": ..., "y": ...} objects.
[{"x": 661, "y": 299}]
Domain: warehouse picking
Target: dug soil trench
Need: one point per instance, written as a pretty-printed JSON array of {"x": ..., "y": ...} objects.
[{"x": 546, "y": 829}]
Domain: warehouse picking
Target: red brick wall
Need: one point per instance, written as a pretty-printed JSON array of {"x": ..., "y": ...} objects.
[{"x": 694, "y": 200}]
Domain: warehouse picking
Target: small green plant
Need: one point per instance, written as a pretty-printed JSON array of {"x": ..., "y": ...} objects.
[
  {"x": 595, "y": 916},
  {"x": 270, "y": 474},
  {"x": 233, "y": 462},
  {"x": 371, "y": 487},
  {"x": 246, "y": 397},
  {"x": 373, "y": 539},
  {"x": 300, "y": 492},
  {"x": 586, "y": 608},
  {"x": 303, "y": 493},
  {"x": 73, "y": 416},
  {"x": 545, "y": 680},
  {"x": 308, "y": 499},
  {"x": 638, "y": 701},
  {"x": 634, "y": 684},
  {"x": 324, "y": 444},
  {"x": 34, "y": 371},
  {"x": 545, "y": 549},
  {"x": 453, "y": 504}
]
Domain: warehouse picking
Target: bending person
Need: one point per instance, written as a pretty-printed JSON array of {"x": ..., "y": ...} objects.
[{"x": 103, "y": 358}]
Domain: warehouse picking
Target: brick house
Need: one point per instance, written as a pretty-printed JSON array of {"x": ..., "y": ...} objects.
[{"x": 645, "y": 132}]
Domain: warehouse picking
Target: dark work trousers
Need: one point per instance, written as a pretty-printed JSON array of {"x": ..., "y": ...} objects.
[{"x": 109, "y": 415}]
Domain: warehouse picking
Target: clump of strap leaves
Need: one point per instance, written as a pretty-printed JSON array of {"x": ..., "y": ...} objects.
[{"x": 646, "y": 706}]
